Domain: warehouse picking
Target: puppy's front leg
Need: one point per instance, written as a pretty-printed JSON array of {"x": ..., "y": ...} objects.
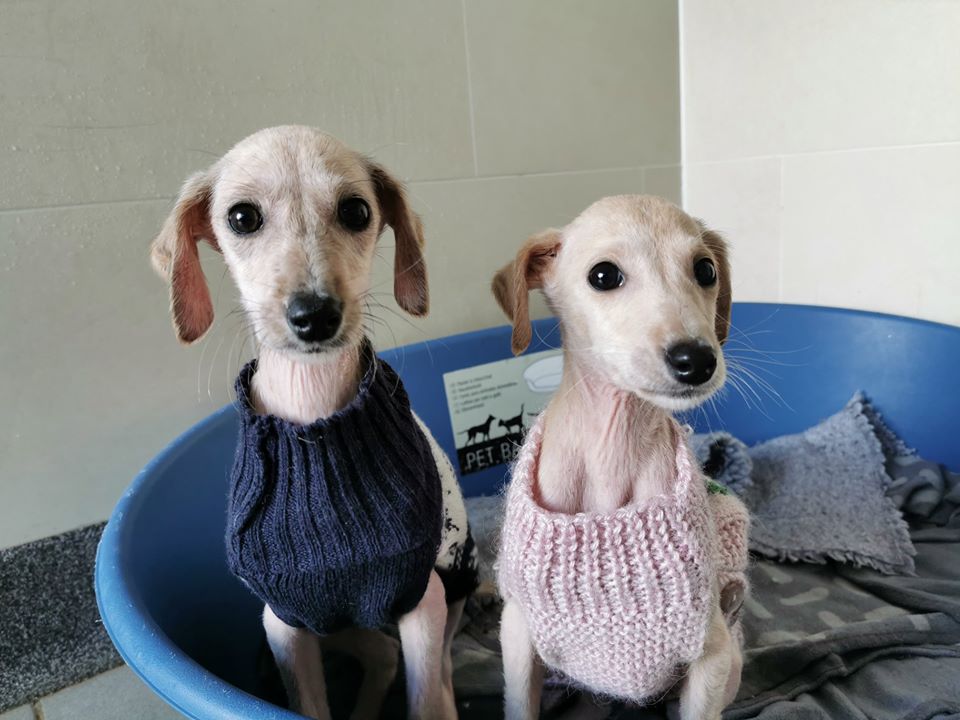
[
  {"x": 297, "y": 654},
  {"x": 454, "y": 613},
  {"x": 704, "y": 693},
  {"x": 379, "y": 655},
  {"x": 522, "y": 669},
  {"x": 421, "y": 637}
]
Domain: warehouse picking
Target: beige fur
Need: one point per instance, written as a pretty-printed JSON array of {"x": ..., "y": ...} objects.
[
  {"x": 607, "y": 438},
  {"x": 297, "y": 176}
]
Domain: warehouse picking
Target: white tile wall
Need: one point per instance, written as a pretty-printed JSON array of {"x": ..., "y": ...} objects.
[
  {"x": 772, "y": 77},
  {"x": 741, "y": 200},
  {"x": 93, "y": 381},
  {"x": 823, "y": 137},
  {"x": 573, "y": 85},
  {"x": 107, "y": 100},
  {"x": 664, "y": 180},
  {"x": 878, "y": 230},
  {"x": 108, "y": 105}
]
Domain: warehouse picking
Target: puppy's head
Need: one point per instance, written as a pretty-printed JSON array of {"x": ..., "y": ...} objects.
[
  {"x": 296, "y": 215},
  {"x": 642, "y": 291}
]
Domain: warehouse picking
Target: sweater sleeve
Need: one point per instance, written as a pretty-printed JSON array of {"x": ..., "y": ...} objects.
[{"x": 733, "y": 525}]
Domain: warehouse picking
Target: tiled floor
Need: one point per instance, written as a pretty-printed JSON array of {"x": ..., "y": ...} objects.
[
  {"x": 20, "y": 713},
  {"x": 115, "y": 695}
]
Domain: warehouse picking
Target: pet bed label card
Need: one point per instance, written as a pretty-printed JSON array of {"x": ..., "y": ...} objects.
[{"x": 492, "y": 405}]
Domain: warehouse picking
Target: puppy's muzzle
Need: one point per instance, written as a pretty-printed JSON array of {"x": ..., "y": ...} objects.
[
  {"x": 692, "y": 363},
  {"x": 314, "y": 318}
]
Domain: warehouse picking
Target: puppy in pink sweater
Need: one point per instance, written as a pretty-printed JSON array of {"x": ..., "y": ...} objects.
[{"x": 621, "y": 566}]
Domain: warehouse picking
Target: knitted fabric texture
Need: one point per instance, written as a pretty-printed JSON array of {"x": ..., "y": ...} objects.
[
  {"x": 619, "y": 602},
  {"x": 336, "y": 523},
  {"x": 732, "y": 524}
]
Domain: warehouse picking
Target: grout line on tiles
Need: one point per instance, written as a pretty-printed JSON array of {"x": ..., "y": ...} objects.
[
  {"x": 78, "y": 206},
  {"x": 424, "y": 181},
  {"x": 807, "y": 153},
  {"x": 681, "y": 8},
  {"x": 656, "y": 166},
  {"x": 552, "y": 173},
  {"x": 473, "y": 122}
]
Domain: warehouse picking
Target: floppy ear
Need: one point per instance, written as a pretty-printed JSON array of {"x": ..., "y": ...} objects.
[
  {"x": 409, "y": 268},
  {"x": 512, "y": 284},
  {"x": 176, "y": 258},
  {"x": 718, "y": 247}
]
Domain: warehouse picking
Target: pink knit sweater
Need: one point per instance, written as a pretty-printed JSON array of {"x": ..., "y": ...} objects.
[{"x": 620, "y": 602}]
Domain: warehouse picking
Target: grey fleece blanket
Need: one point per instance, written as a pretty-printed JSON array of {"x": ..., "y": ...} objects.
[{"x": 821, "y": 495}]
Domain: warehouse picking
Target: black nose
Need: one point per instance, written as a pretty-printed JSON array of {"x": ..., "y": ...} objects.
[
  {"x": 314, "y": 318},
  {"x": 692, "y": 363}
]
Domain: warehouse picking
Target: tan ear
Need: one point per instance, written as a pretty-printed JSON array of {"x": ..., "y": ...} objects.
[
  {"x": 409, "y": 267},
  {"x": 718, "y": 247},
  {"x": 512, "y": 284},
  {"x": 175, "y": 256}
]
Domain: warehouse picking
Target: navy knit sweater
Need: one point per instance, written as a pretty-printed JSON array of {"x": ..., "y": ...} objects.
[{"x": 336, "y": 523}]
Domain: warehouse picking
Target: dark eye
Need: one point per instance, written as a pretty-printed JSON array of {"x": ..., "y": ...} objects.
[
  {"x": 354, "y": 213},
  {"x": 244, "y": 218},
  {"x": 605, "y": 276},
  {"x": 705, "y": 272}
]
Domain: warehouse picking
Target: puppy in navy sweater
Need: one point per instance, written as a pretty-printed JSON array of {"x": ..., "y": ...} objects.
[{"x": 344, "y": 514}]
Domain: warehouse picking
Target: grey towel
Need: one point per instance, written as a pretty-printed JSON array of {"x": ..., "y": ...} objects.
[{"x": 822, "y": 495}]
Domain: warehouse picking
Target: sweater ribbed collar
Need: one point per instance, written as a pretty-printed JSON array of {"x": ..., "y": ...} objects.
[{"x": 379, "y": 383}]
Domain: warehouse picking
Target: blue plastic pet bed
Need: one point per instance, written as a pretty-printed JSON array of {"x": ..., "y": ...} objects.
[{"x": 192, "y": 632}]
